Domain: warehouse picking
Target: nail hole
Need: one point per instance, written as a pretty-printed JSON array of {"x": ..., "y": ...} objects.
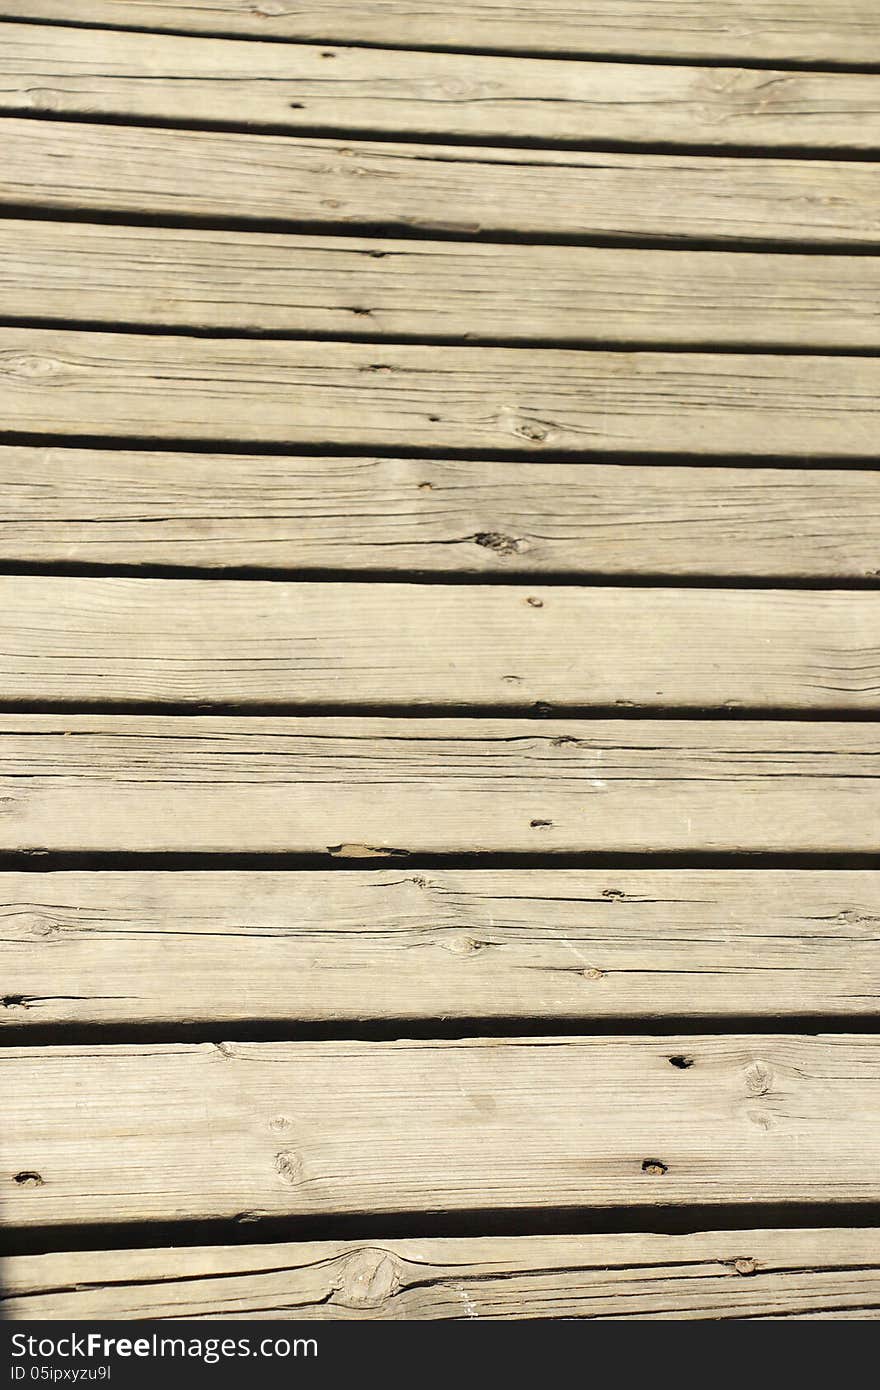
[
  {"x": 535, "y": 602},
  {"x": 682, "y": 1062},
  {"x": 655, "y": 1167}
]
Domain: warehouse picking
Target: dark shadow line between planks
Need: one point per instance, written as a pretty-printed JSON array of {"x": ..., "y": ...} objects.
[
  {"x": 451, "y": 711},
  {"x": 42, "y": 860},
  {"x": 452, "y": 578},
  {"x": 251, "y": 1229},
  {"x": 489, "y": 51},
  {"x": 432, "y": 1029},
  {"x": 400, "y": 231},
  {"x": 63, "y": 323},
  {"x": 412, "y": 135},
  {"x": 316, "y": 449}
]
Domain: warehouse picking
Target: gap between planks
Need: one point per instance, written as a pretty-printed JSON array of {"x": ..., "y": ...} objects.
[
  {"x": 799, "y": 31},
  {"x": 706, "y": 1275},
  {"x": 147, "y": 77},
  {"x": 237, "y": 1130},
  {"x": 252, "y": 282},
  {"x": 81, "y": 950},
  {"x": 87, "y": 640},
  {"x": 484, "y": 518},
  {"x": 213, "y": 784},
  {"x": 78, "y": 167}
]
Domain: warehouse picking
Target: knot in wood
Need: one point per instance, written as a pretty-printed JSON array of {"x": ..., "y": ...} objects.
[
  {"x": 759, "y": 1078},
  {"x": 288, "y": 1166},
  {"x": 31, "y": 367},
  {"x": 28, "y": 1179},
  {"x": 535, "y": 430},
  {"x": 44, "y": 99},
  {"x": 465, "y": 945},
  {"x": 367, "y": 1278},
  {"x": 500, "y": 544}
]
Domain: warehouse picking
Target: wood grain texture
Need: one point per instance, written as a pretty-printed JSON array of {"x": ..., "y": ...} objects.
[
  {"x": 796, "y": 31},
  {"x": 706, "y": 1275},
  {"x": 364, "y": 395},
  {"x": 357, "y": 788},
  {"x": 487, "y": 517},
  {"x": 463, "y": 190},
  {"x": 173, "y": 1131},
  {"x": 384, "y": 288},
  {"x": 183, "y": 948},
  {"x": 85, "y": 640},
  {"x": 202, "y": 81}
]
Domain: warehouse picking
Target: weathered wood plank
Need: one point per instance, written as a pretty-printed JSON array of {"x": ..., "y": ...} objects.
[
  {"x": 242, "y": 391},
  {"x": 177, "y": 948},
  {"x": 708, "y": 1274},
  {"x": 361, "y": 514},
  {"x": 247, "y": 642},
  {"x": 200, "y": 81},
  {"x": 361, "y": 787},
  {"x": 438, "y": 188},
  {"x": 131, "y": 1133},
  {"x": 797, "y": 31},
  {"x": 350, "y": 286}
]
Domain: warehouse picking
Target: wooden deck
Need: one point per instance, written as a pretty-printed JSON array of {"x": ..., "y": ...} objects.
[{"x": 440, "y": 661}]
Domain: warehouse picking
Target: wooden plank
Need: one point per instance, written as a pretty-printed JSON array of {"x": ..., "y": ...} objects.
[
  {"x": 181, "y": 1131},
  {"x": 708, "y": 1274},
  {"x": 356, "y": 788},
  {"x": 797, "y": 31},
  {"x": 219, "y": 948},
  {"x": 359, "y": 514},
  {"x": 247, "y": 642},
  {"x": 168, "y": 78},
  {"x": 369, "y": 396},
  {"x": 378, "y": 288},
  {"x": 463, "y": 190}
]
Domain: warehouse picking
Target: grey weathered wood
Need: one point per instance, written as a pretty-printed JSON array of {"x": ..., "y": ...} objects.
[
  {"x": 242, "y": 641},
  {"x": 361, "y": 514},
  {"x": 350, "y": 286},
  {"x": 168, "y": 78},
  {"x": 372, "y": 396},
  {"x": 435, "y": 188},
  {"x": 222, "y": 1130},
  {"x": 205, "y": 948},
  {"x": 797, "y": 31},
  {"x": 365, "y": 787},
  {"x": 706, "y": 1275}
]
